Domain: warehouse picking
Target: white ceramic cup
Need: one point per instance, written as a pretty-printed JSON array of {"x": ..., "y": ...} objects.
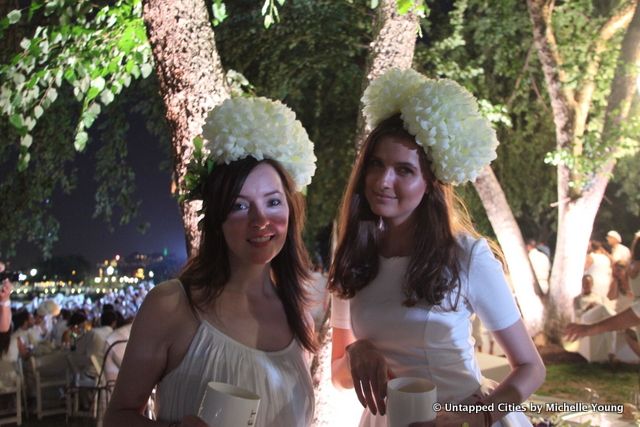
[
  {"x": 410, "y": 400},
  {"x": 225, "y": 405}
]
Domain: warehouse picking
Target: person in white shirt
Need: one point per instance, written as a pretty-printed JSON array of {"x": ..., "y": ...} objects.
[
  {"x": 619, "y": 252},
  {"x": 5, "y": 303},
  {"x": 541, "y": 265},
  {"x": 93, "y": 343}
]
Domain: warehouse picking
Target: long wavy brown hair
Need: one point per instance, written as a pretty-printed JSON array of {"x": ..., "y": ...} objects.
[
  {"x": 209, "y": 270},
  {"x": 434, "y": 267}
]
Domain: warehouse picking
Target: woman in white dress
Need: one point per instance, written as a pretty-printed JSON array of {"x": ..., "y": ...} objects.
[
  {"x": 236, "y": 313},
  {"x": 409, "y": 270}
]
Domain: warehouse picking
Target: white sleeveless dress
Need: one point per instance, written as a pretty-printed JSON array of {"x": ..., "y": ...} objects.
[{"x": 281, "y": 378}]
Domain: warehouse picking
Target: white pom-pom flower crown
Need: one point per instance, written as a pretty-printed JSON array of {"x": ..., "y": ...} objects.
[
  {"x": 256, "y": 127},
  {"x": 442, "y": 115}
]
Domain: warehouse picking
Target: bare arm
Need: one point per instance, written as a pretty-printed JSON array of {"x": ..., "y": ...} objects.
[
  {"x": 150, "y": 352},
  {"x": 527, "y": 369},
  {"x": 340, "y": 371},
  {"x": 5, "y": 308},
  {"x": 620, "y": 321}
]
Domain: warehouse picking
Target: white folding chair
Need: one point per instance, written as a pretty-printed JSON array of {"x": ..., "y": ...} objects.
[
  {"x": 11, "y": 384},
  {"x": 50, "y": 372}
]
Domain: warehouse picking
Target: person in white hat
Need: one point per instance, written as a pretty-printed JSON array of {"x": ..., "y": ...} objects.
[{"x": 619, "y": 252}]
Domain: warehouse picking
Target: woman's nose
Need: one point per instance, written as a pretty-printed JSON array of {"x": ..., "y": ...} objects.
[
  {"x": 257, "y": 218},
  {"x": 386, "y": 178}
]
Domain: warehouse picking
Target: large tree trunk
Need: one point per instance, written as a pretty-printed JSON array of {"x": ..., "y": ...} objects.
[
  {"x": 510, "y": 238},
  {"x": 394, "y": 41},
  {"x": 192, "y": 82},
  {"x": 577, "y": 207}
]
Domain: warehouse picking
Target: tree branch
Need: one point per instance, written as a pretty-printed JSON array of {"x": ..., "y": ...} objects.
[
  {"x": 562, "y": 100},
  {"x": 617, "y": 22}
]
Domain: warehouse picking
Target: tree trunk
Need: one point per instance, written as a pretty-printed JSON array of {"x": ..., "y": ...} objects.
[
  {"x": 394, "y": 41},
  {"x": 192, "y": 82},
  {"x": 510, "y": 238},
  {"x": 577, "y": 208},
  {"x": 577, "y": 216}
]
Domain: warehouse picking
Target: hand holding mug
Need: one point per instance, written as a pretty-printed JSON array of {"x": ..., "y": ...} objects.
[{"x": 369, "y": 374}]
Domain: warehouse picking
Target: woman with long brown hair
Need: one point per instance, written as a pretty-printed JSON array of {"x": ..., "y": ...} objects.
[
  {"x": 409, "y": 269},
  {"x": 236, "y": 313}
]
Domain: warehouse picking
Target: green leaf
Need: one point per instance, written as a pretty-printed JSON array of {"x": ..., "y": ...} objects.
[
  {"x": 23, "y": 161},
  {"x": 16, "y": 120},
  {"x": 26, "y": 141},
  {"x": 373, "y": 4},
  {"x": 88, "y": 118},
  {"x": 106, "y": 97},
  {"x": 14, "y": 16},
  {"x": 146, "y": 69},
  {"x": 81, "y": 141},
  {"x": 265, "y": 6},
  {"x": 98, "y": 83},
  {"x": 37, "y": 111},
  {"x": 52, "y": 94},
  {"x": 25, "y": 43},
  {"x": 92, "y": 93},
  {"x": 268, "y": 21},
  {"x": 404, "y": 6}
]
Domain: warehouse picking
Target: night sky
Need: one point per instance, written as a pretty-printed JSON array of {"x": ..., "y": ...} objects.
[{"x": 80, "y": 234}]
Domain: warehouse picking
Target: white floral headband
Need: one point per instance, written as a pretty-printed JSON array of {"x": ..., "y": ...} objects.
[
  {"x": 441, "y": 114},
  {"x": 256, "y": 127}
]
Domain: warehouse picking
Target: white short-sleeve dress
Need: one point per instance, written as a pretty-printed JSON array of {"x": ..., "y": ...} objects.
[
  {"x": 432, "y": 342},
  {"x": 281, "y": 378}
]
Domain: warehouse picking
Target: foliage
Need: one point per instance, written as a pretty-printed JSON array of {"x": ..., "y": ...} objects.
[
  {"x": 313, "y": 62},
  {"x": 576, "y": 26},
  {"x": 90, "y": 56},
  {"x": 96, "y": 49},
  {"x": 485, "y": 46}
]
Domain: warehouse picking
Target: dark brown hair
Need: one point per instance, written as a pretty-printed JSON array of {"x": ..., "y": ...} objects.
[
  {"x": 434, "y": 267},
  {"x": 209, "y": 271}
]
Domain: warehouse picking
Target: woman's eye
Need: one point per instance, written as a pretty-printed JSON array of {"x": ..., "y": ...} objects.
[
  {"x": 405, "y": 171},
  {"x": 239, "y": 206},
  {"x": 275, "y": 202}
]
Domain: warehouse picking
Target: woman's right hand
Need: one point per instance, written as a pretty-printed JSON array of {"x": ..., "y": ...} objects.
[{"x": 369, "y": 373}]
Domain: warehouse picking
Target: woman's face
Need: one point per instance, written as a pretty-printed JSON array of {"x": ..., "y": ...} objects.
[
  {"x": 256, "y": 228},
  {"x": 394, "y": 179}
]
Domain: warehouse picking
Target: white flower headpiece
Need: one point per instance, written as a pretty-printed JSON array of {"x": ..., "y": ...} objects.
[
  {"x": 441, "y": 114},
  {"x": 256, "y": 127}
]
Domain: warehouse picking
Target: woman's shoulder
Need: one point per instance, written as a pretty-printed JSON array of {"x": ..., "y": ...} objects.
[
  {"x": 167, "y": 297},
  {"x": 470, "y": 245}
]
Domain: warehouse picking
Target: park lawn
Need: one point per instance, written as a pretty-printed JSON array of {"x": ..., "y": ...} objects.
[{"x": 614, "y": 383}]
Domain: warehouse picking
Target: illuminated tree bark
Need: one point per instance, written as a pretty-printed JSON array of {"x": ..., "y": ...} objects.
[{"x": 192, "y": 82}]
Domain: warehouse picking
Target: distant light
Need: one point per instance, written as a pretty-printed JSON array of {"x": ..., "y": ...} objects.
[
  {"x": 117, "y": 257},
  {"x": 33, "y": 272},
  {"x": 151, "y": 274},
  {"x": 73, "y": 272},
  {"x": 113, "y": 279},
  {"x": 22, "y": 277},
  {"x": 97, "y": 280},
  {"x": 110, "y": 270}
]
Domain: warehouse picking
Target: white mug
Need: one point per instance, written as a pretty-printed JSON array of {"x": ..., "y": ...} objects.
[
  {"x": 410, "y": 400},
  {"x": 226, "y": 405}
]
